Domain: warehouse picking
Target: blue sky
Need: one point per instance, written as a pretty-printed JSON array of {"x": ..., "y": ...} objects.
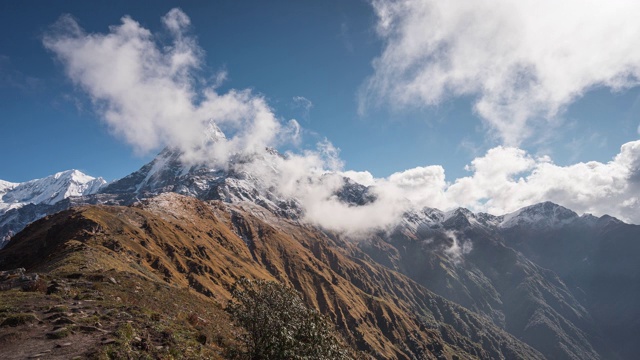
[{"x": 347, "y": 72}]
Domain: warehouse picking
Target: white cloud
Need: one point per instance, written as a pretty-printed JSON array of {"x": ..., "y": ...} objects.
[
  {"x": 176, "y": 21},
  {"x": 503, "y": 180},
  {"x": 506, "y": 179},
  {"x": 523, "y": 61},
  {"x": 149, "y": 96},
  {"x": 148, "y": 93},
  {"x": 458, "y": 248},
  {"x": 361, "y": 177},
  {"x": 593, "y": 187}
]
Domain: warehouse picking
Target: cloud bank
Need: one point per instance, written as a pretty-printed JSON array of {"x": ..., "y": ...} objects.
[
  {"x": 148, "y": 94},
  {"x": 506, "y": 179},
  {"x": 523, "y": 61},
  {"x": 501, "y": 181}
]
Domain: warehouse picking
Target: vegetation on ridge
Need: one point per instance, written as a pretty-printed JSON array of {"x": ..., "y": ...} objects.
[{"x": 279, "y": 326}]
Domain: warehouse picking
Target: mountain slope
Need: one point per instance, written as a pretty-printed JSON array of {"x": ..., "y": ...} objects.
[
  {"x": 563, "y": 283},
  {"x": 184, "y": 242},
  {"x": 598, "y": 260}
]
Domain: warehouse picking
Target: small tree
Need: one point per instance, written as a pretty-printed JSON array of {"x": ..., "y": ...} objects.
[{"x": 278, "y": 324}]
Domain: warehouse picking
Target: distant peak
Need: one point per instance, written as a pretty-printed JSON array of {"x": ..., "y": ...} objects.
[
  {"x": 549, "y": 208},
  {"x": 458, "y": 211},
  {"x": 213, "y": 133},
  {"x": 76, "y": 176},
  {"x": 49, "y": 190},
  {"x": 545, "y": 213},
  {"x": 547, "y": 205},
  {"x": 68, "y": 174}
]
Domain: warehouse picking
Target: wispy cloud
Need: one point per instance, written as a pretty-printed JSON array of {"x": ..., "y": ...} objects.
[
  {"x": 304, "y": 104},
  {"x": 458, "y": 247},
  {"x": 502, "y": 180},
  {"x": 524, "y": 61}
]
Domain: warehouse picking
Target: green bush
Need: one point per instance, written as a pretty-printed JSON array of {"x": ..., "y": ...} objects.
[{"x": 279, "y": 326}]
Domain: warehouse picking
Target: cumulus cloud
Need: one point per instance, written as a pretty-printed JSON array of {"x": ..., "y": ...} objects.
[
  {"x": 506, "y": 179},
  {"x": 522, "y": 61},
  {"x": 591, "y": 187},
  {"x": 148, "y": 94}
]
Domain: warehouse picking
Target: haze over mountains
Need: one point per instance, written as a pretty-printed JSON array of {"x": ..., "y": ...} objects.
[{"x": 539, "y": 282}]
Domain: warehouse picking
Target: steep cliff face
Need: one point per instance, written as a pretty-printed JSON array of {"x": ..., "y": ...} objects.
[{"x": 182, "y": 241}]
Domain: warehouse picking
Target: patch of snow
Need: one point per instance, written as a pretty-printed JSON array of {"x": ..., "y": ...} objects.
[
  {"x": 159, "y": 164},
  {"x": 6, "y": 186},
  {"x": 544, "y": 214},
  {"x": 49, "y": 190},
  {"x": 213, "y": 132}
]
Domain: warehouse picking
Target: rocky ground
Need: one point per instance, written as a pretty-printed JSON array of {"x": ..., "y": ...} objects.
[{"x": 109, "y": 315}]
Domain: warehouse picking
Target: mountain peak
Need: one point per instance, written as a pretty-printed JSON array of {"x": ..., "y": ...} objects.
[
  {"x": 543, "y": 214},
  {"x": 214, "y": 133},
  {"x": 49, "y": 190},
  {"x": 459, "y": 211},
  {"x": 75, "y": 175}
]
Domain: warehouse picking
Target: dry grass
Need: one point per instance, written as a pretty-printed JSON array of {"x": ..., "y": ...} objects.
[{"x": 156, "y": 279}]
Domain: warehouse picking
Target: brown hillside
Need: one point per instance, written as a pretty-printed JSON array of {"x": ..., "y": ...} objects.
[{"x": 184, "y": 243}]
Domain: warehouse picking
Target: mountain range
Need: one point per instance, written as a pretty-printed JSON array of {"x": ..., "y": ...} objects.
[{"x": 541, "y": 282}]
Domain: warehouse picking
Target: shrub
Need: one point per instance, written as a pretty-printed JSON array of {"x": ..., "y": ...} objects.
[{"x": 279, "y": 326}]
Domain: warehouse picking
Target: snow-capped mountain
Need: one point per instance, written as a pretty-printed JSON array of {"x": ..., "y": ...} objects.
[
  {"x": 229, "y": 183},
  {"x": 234, "y": 182},
  {"x": 22, "y": 203},
  {"x": 167, "y": 172},
  {"x": 48, "y": 190},
  {"x": 536, "y": 272},
  {"x": 546, "y": 215}
]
